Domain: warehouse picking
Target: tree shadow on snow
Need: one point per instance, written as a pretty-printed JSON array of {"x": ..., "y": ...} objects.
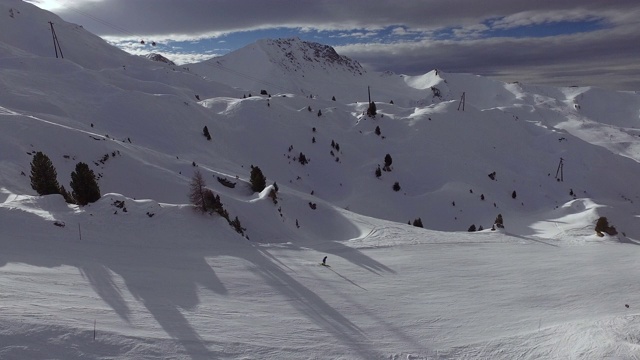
[
  {"x": 355, "y": 257},
  {"x": 166, "y": 275},
  {"x": 310, "y": 304},
  {"x": 163, "y": 277}
]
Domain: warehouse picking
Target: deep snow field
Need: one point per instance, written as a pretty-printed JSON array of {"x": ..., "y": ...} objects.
[{"x": 163, "y": 281}]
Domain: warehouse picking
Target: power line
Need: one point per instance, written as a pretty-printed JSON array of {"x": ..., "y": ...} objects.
[
  {"x": 108, "y": 24},
  {"x": 102, "y": 21}
]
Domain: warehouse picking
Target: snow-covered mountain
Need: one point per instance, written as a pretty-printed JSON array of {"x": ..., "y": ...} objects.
[
  {"x": 559, "y": 158},
  {"x": 160, "y": 58},
  {"x": 306, "y": 69}
]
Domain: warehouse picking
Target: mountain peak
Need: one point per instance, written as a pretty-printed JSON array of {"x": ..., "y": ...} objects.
[
  {"x": 159, "y": 58},
  {"x": 293, "y": 54}
]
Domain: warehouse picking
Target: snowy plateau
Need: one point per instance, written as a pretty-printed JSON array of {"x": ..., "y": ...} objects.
[{"x": 141, "y": 274}]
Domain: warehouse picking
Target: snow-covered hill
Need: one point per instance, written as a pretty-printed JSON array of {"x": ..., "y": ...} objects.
[{"x": 160, "y": 278}]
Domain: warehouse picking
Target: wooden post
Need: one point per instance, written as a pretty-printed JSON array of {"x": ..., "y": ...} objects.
[{"x": 94, "y": 329}]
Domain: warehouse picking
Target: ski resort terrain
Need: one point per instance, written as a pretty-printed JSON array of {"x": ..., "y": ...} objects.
[{"x": 403, "y": 204}]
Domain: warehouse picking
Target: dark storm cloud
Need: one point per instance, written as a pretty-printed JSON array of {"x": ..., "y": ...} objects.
[
  {"x": 415, "y": 47},
  {"x": 604, "y": 58},
  {"x": 202, "y": 16}
]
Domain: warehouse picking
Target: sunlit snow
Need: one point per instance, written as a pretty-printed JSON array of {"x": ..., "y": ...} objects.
[{"x": 156, "y": 279}]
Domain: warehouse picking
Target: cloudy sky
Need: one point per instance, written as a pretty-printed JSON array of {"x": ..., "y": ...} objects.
[{"x": 555, "y": 42}]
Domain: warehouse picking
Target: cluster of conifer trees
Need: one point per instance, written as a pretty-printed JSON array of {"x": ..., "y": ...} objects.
[{"x": 44, "y": 180}]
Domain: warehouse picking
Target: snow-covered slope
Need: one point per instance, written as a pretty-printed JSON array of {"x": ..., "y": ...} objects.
[
  {"x": 160, "y": 278},
  {"x": 306, "y": 69},
  {"x": 27, "y": 32}
]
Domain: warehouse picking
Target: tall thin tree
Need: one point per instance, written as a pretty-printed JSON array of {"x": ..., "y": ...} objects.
[{"x": 197, "y": 189}]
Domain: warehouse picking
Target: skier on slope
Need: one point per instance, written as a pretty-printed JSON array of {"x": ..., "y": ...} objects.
[{"x": 324, "y": 261}]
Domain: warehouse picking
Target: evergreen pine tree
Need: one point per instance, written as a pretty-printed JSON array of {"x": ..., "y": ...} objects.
[
  {"x": 396, "y": 186},
  {"x": 235, "y": 224},
  {"x": 84, "y": 186},
  {"x": 257, "y": 179},
  {"x": 273, "y": 195},
  {"x": 371, "y": 110},
  {"x": 302, "y": 158},
  {"x": 44, "y": 178},
  {"x": 387, "y": 162},
  {"x": 212, "y": 202}
]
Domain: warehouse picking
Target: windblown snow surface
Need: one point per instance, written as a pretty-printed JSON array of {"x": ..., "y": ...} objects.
[{"x": 140, "y": 274}]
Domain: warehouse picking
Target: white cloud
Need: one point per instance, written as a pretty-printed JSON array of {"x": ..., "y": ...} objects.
[
  {"x": 470, "y": 31},
  {"x": 399, "y": 31},
  {"x": 528, "y": 18}
]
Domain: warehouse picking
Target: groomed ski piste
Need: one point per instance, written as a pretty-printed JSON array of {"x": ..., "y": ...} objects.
[
  {"x": 140, "y": 274},
  {"x": 392, "y": 291}
]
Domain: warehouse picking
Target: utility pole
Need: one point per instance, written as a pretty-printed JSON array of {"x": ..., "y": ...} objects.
[
  {"x": 461, "y": 103},
  {"x": 56, "y": 43},
  {"x": 560, "y": 170},
  {"x": 369, "y": 91}
]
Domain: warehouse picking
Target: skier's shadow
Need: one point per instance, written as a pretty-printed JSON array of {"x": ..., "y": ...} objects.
[{"x": 345, "y": 278}]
